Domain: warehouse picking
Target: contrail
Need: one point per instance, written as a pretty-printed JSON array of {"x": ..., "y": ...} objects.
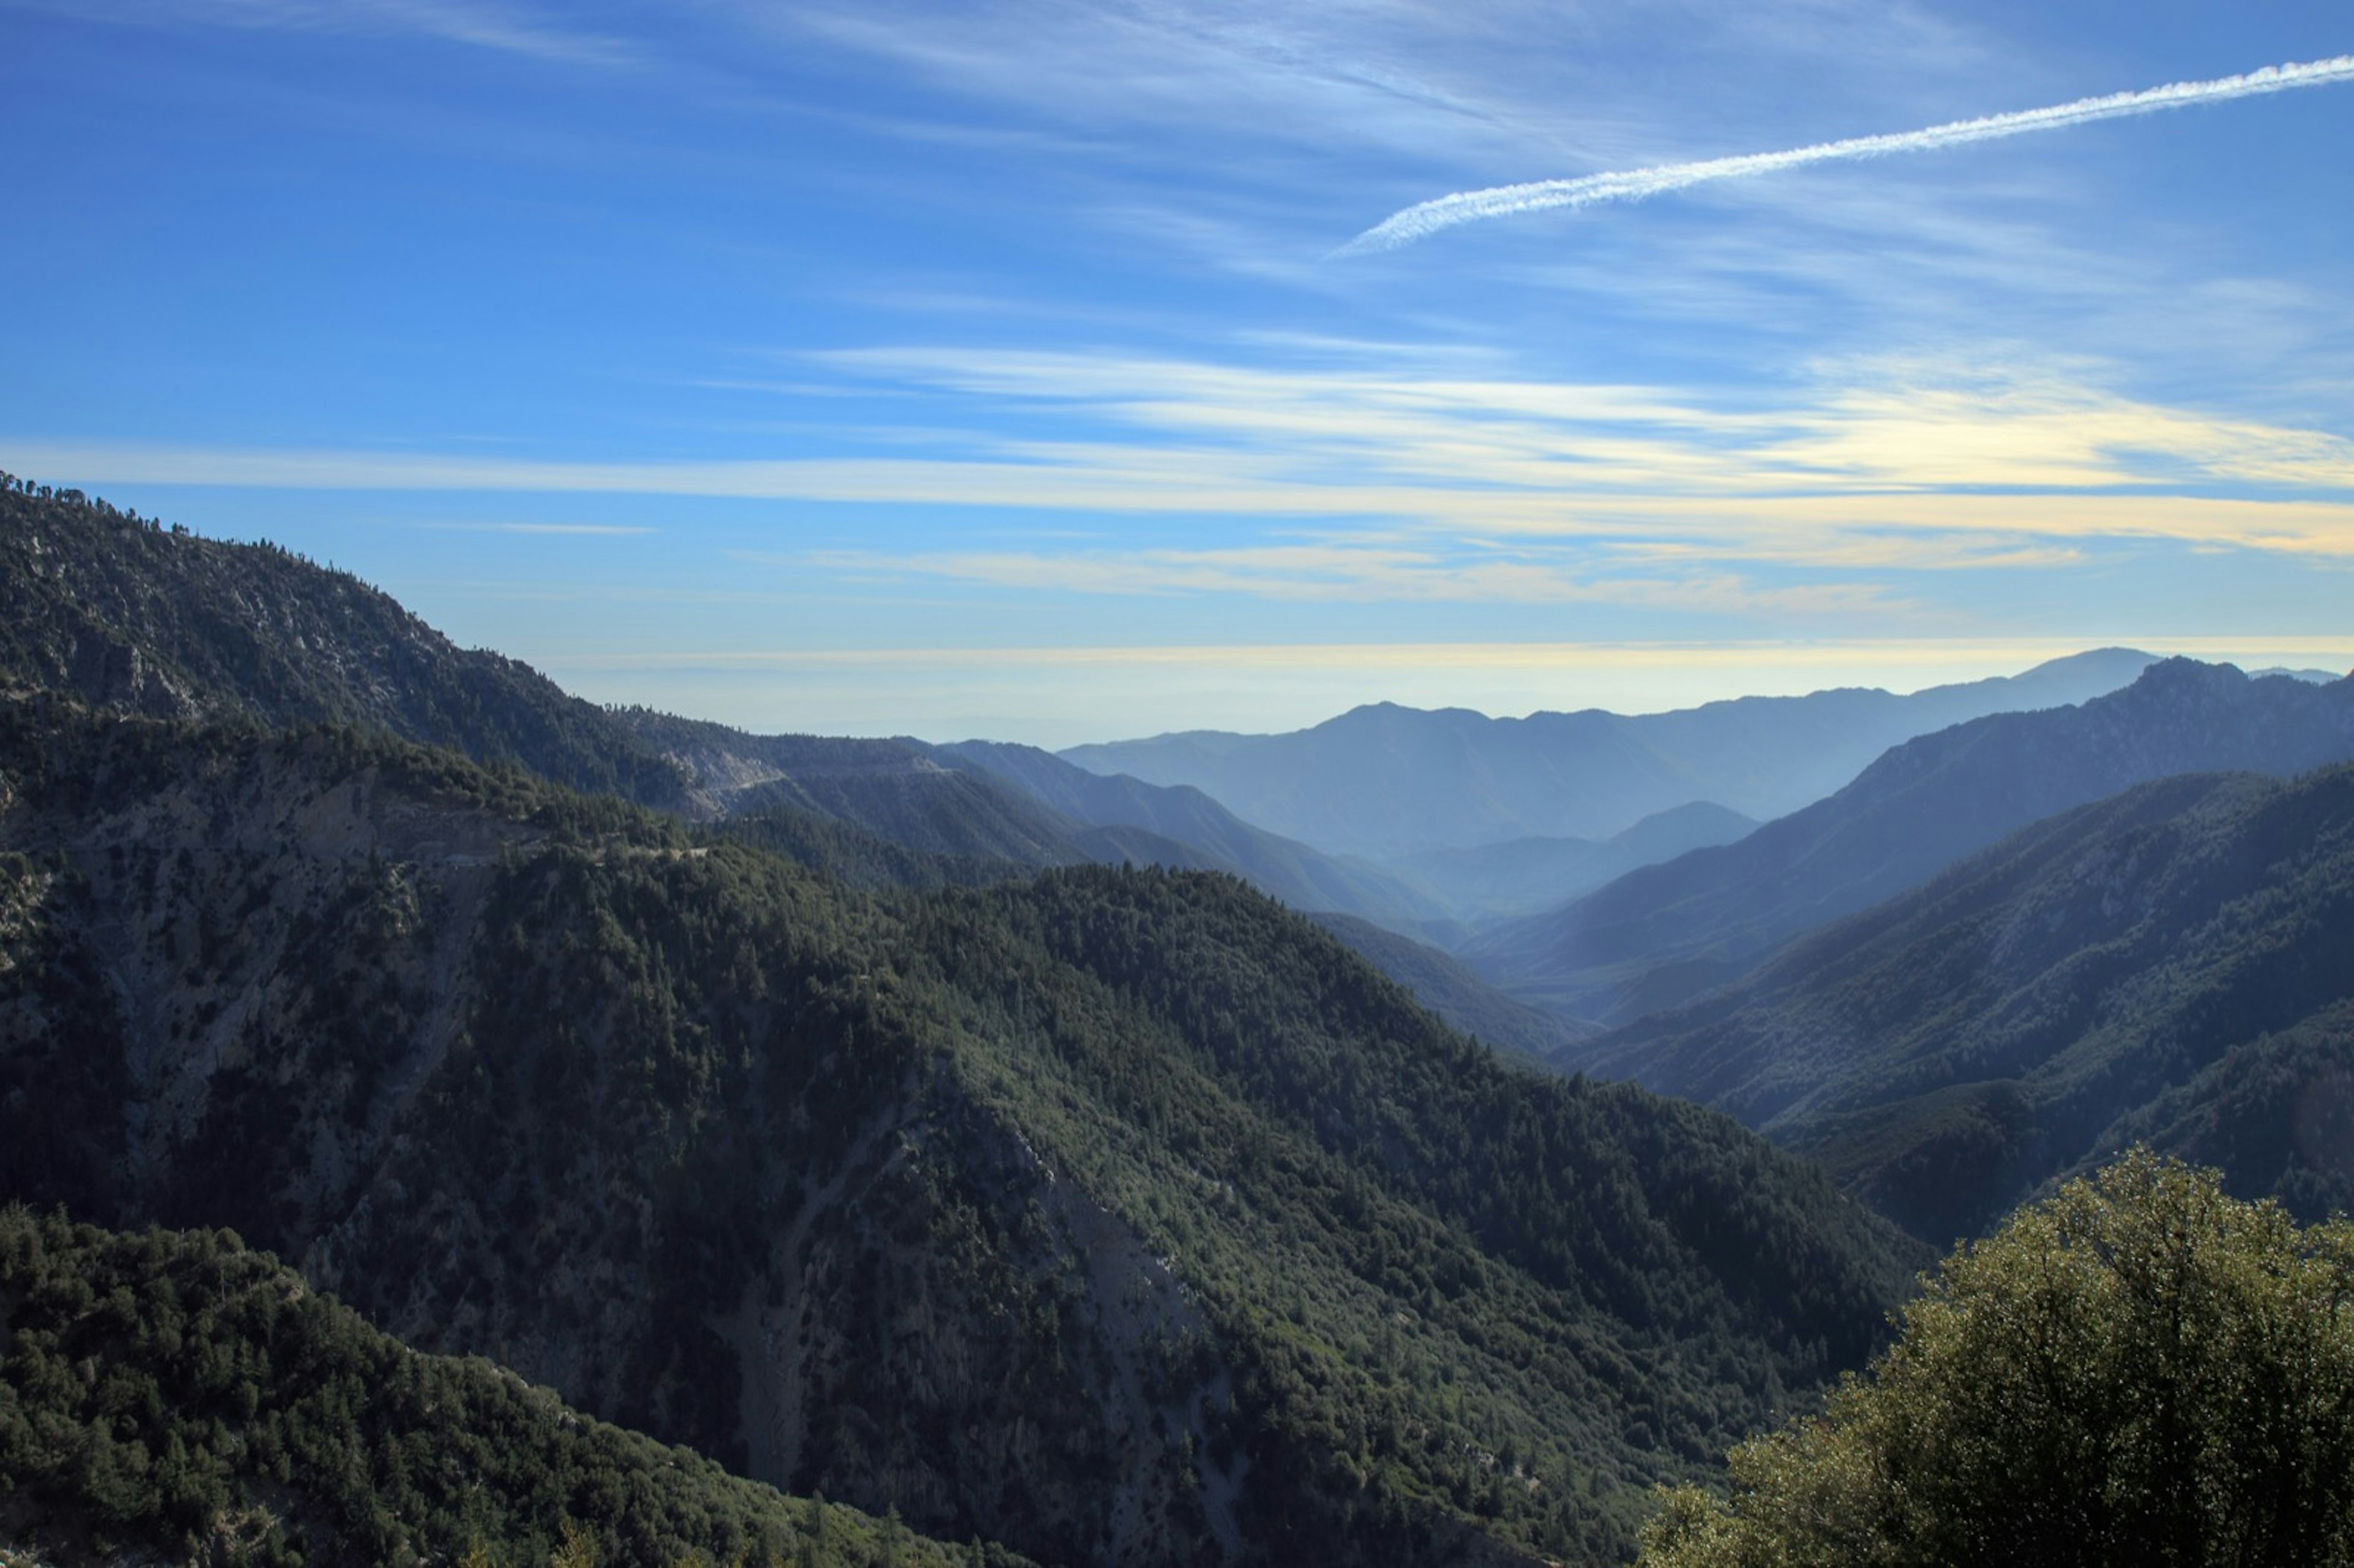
[{"x": 1427, "y": 218}]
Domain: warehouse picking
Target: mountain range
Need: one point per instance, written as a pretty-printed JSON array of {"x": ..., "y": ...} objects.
[
  {"x": 1113, "y": 1214},
  {"x": 1387, "y": 782},
  {"x": 2171, "y": 966},
  {"x": 1663, "y": 935},
  {"x": 137, "y": 617},
  {"x": 1282, "y": 867},
  {"x": 969, "y": 1136}
]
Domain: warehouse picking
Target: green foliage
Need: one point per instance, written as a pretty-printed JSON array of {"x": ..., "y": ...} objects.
[
  {"x": 176, "y": 1393},
  {"x": 1441, "y": 983},
  {"x": 2141, "y": 1370},
  {"x": 856, "y": 857},
  {"x": 1041, "y": 1197}
]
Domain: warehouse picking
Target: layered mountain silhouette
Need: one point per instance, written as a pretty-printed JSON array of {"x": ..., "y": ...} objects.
[
  {"x": 1301, "y": 876},
  {"x": 1663, "y": 935},
  {"x": 1526, "y": 876},
  {"x": 2173, "y": 965},
  {"x": 1105, "y": 1213},
  {"x": 1385, "y": 781},
  {"x": 1114, "y": 1213},
  {"x": 136, "y": 617},
  {"x": 1442, "y": 983}
]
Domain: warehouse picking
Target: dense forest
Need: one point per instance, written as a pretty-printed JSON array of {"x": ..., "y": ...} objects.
[
  {"x": 129, "y": 614},
  {"x": 1105, "y": 1214},
  {"x": 177, "y": 1397},
  {"x": 768, "y": 1099}
]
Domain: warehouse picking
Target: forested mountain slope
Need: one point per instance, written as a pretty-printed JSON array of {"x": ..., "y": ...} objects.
[
  {"x": 135, "y": 616},
  {"x": 1388, "y": 781},
  {"x": 1447, "y": 988},
  {"x": 1664, "y": 934},
  {"x": 2172, "y": 966},
  {"x": 1302, "y": 877},
  {"x": 894, "y": 789},
  {"x": 172, "y": 1396},
  {"x": 1117, "y": 1215},
  {"x": 130, "y": 616}
]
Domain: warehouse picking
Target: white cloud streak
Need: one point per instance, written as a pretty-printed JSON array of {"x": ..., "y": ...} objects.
[
  {"x": 1331, "y": 572},
  {"x": 1877, "y": 654},
  {"x": 1360, "y": 484},
  {"x": 479, "y": 24},
  {"x": 591, "y": 530},
  {"x": 1425, "y": 219}
]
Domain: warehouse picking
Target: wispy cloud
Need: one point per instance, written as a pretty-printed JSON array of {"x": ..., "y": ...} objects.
[
  {"x": 592, "y": 530},
  {"x": 1425, "y": 219},
  {"x": 1883, "y": 654},
  {"x": 1435, "y": 483},
  {"x": 1338, "y": 571},
  {"x": 493, "y": 25}
]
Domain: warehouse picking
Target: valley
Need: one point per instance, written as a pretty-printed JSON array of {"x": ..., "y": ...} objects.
[{"x": 1010, "y": 1153}]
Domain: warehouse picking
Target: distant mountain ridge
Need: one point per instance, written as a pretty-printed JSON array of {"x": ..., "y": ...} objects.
[
  {"x": 137, "y": 617},
  {"x": 1662, "y": 936},
  {"x": 1385, "y": 781},
  {"x": 1119, "y": 1215},
  {"x": 1301, "y": 876},
  {"x": 2173, "y": 965},
  {"x": 1524, "y": 876}
]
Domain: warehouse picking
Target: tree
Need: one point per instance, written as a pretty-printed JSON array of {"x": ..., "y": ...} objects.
[
  {"x": 577, "y": 1548},
  {"x": 2140, "y": 1370}
]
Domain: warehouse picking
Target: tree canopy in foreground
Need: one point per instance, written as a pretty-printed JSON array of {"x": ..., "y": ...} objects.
[{"x": 2139, "y": 1370}]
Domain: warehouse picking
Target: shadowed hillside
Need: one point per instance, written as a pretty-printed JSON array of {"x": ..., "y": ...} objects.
[
  {"x": 1659, "y": 937},
  {"x": 173, "y": 1396},
  {"x": 1111, "y": 1215},
  {"x": 2172, "y": 966}
]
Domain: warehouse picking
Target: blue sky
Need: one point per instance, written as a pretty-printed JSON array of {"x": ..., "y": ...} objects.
[{"x": 985, "y": 369}]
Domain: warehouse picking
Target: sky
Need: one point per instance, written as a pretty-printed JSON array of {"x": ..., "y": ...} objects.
[{"x": 1007, "y": 368}]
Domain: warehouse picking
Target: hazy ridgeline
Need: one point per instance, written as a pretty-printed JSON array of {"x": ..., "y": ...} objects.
[{"x": 956, "y": 1133}]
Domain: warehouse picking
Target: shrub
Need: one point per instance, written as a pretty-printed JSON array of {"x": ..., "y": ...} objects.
[{"x": 2140, "y": 1370}]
